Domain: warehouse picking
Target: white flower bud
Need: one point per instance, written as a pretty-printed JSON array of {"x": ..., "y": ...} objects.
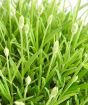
[
  {"x": 54, "y": 92},
  {"x": 21, "y": 22},
  {"x": 16, "y": 1},
  {"x": 41, "y": 9},
  {"x": 12, "y": 8},
  {"x": 12, "y": 12},
  {"x": 29, "y": 5},
  {"x": 75, "y": 78},
  {"x": 6, "y": 52},
  {"x": 26, "y": 28},
  {"x": 49, "y": 1},
  {"x": 50, "y": 18},
  {"x": 19, "y": 103},
  {"x": 67, "y": 6},
  {"x": 28, "y": 80},
  {"x": 57, "y": 1},
  {"x": 0, "y": 4},
  {"x": 74, "y": 28},
  {"x": 39, "y": 3},
  {"x": 12, "y": 3},
  {"x": 56, "y": 47}
]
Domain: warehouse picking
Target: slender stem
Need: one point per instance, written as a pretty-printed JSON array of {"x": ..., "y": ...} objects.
[
  {"x": 39, "y": 79},
  {"x": 27, "y": 45},
  {"x": 44, "y": 36},
  {"x": 72, "y": 36},
  {"x": 22, "y": 56},
  {"x": 9, "y": 74},
  {"x": 21, "y": 35},
  {"x": 20, "y": 5},
  {"x": 51, "y": 62},
  {"x": 37, "y": 27},
  {"x": 49, "y": 100},
  {"x": 8, "y": 68},
  {"x": 25, "y": 91}
]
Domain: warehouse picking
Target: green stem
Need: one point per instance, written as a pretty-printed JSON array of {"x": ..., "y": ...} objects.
[
  {"x": 25, "y": 91},
  {"x": 9, "y": 11},
  {"x": 39, "y": 79},
  {"x": 9, "y": 74},
  {"x": 50, "y": 66},
  {"x": 27, "y": 46},
  {"x": 22, "y": 56},
  {"x": 37, "y": 27},
  {"x": 44, "y": 36},
  {"x": 8, "y": 69},
  {"x": 49, "y": 100}
]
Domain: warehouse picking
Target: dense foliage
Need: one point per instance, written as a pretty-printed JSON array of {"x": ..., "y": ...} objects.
[{"x": 43, "y": 54}]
